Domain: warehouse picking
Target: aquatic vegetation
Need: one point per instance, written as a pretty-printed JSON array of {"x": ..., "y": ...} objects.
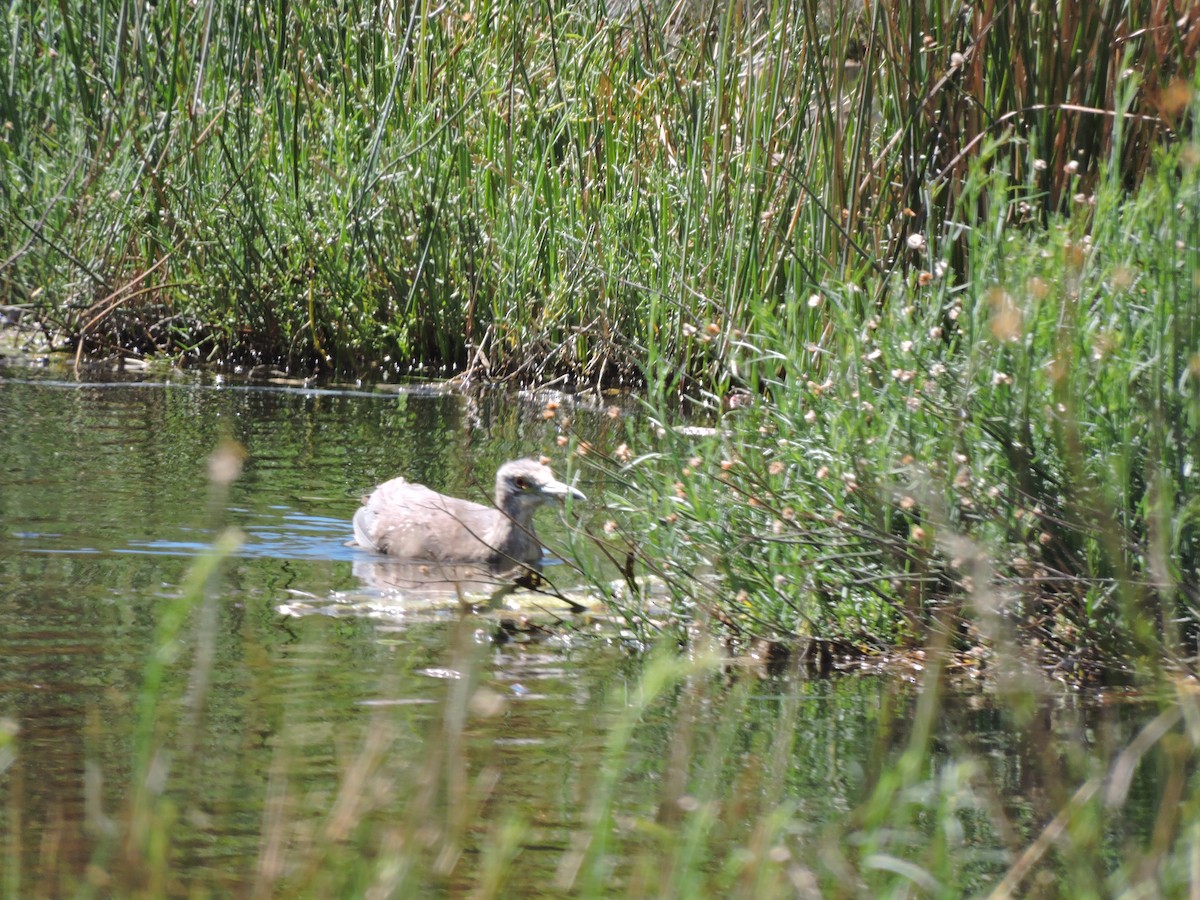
[
  {"x": 165, "y": 731},
  {"x": 1013, "y": 446},
  {"x": 932, "y": 270},
  {"x": 695, "y": 774},
  {"x": 927, "y": 280},
  {"x": 573, "y": 191}
]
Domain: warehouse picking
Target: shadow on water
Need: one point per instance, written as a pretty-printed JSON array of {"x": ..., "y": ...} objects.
[{"x": 475, "y": 723}]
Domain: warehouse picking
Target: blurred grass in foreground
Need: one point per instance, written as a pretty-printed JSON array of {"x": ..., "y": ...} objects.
[
  {"x": 1103, "y": 813},
  {"x": 932, "y": 274}
]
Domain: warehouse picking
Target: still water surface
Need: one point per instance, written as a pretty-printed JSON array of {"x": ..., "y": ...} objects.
[{"x": 104, "y": 505}]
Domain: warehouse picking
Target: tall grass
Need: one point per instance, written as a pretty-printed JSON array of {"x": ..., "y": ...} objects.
[
  {"x": 542, "y": 191},
  {"x": 929, "y": 270},
  {"x": 1012, "y": 444},
  {"x": 721, "y": 805}
]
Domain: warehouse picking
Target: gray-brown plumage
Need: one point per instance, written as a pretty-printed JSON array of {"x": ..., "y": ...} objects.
[{"x": 409, "y": 521}]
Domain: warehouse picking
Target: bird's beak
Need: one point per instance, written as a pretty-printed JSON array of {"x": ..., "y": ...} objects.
[{"x": 561, "y": 491}]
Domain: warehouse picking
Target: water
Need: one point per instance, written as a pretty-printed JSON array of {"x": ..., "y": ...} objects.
[{"x": 104, "y": 507}]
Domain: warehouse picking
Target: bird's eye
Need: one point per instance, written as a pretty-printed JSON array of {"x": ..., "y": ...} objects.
[{"x": 521, "y": 483}]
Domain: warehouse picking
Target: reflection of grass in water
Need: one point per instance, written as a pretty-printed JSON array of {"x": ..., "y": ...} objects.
[{"x": 700, "y": 808}]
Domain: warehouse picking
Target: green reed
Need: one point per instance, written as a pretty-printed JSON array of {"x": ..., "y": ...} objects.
[
  {"x": 535, "y": 192},
  {"x": 1025, "y": 428},
  {"x": 930, "y": 276}
]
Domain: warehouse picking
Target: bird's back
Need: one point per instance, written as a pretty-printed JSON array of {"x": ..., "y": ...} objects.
[{"x": 410, "y": 521}]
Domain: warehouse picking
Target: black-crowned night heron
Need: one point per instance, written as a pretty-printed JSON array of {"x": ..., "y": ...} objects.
[{"x": 409, "y": 521}]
